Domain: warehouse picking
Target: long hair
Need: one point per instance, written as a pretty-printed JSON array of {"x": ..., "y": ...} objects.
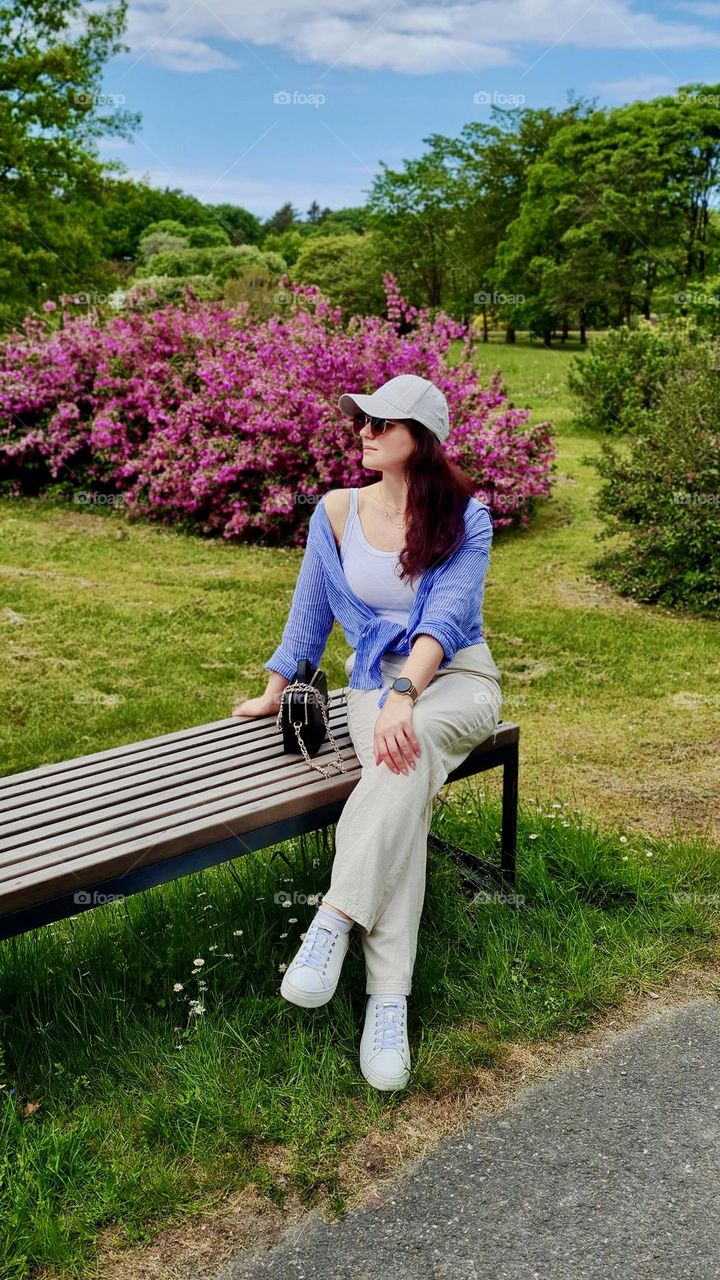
[{"x": 438, "y": 492}]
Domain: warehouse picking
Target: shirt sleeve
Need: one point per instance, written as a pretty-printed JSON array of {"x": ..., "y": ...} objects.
[
  {"x": 310, "y": 619},
  {"x": 454, "y": 601}
]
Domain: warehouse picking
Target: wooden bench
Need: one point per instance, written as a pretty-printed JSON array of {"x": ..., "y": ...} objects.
[{"x": 76, "y": 834}]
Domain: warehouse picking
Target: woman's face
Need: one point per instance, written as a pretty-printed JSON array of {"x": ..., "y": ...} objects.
[{"x": 389, "y": 451}]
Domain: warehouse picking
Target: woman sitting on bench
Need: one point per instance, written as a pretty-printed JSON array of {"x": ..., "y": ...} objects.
[{"x": 401, "y": 565}]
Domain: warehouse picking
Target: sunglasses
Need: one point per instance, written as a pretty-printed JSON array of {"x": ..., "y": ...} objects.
[{"x": 378, "y": 426}]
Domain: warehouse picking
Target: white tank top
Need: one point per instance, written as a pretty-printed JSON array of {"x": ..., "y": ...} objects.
[{"x": 373, "y": 574}]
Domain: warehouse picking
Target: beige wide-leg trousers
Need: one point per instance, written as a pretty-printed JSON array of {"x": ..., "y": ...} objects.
[{"x": 379, "y": 868}]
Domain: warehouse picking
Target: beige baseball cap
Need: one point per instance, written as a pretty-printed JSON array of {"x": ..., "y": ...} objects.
[{"x": 407, "y": 396}]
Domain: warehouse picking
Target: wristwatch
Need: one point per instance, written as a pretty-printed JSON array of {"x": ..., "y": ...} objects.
[{"x": 403, "y": 684}]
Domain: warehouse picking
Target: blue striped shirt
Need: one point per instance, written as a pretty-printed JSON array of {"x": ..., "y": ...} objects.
[{"x": 448, "y": 604}]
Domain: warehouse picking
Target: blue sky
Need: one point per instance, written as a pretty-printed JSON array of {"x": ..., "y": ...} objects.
[{"x": 368, "y": 81}]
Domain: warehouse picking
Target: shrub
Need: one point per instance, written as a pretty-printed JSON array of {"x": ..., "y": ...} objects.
[
  {"x": 348, "y": 270},
  {"x": 200, "y": 415},
  {"x": 620, "y": 379},
  {"x": 158, "y": 291},
  {"x": 663, "y": 493},
  {"x": 205, "y": 236},
  {"x": 156, "y": 242},
  {"x": 219, "y": 261}
]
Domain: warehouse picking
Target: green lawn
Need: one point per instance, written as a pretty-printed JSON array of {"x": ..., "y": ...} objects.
[{"x": 122, "y": 1111}]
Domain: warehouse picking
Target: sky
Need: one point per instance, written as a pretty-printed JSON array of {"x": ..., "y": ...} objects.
[{"x": 258, "y": 102}]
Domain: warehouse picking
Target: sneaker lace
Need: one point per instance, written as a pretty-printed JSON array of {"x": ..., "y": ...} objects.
[
  {"x": 389, "y": 1018},
  {"x": 317, "y": 945}
]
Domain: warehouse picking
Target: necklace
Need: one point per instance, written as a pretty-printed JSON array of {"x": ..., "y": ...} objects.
[{"x": 398, "y": 523}]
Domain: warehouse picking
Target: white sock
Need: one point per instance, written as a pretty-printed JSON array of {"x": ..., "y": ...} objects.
[
  {"x": 326, "y": 915},
  {"x": 385, "y": 995}
]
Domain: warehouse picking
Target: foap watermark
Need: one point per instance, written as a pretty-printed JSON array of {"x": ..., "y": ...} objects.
[
  {"x": 485, "y": 298},
  {"x": 284, "y": 98},
  {"x": 693, "y": 896},
  {"x": 284, "y": 898},
  {"x": 695, "y": 298},
  {"x": 706, "y": 99},
  {"x": 84, "y": 99},
  {"x": 92, "y": 298},
  {"x": 496, "y": 98},
  {"x": 284, "y": 298},
  {"x": 93, "y": 697},
  {"x": 88, "y": 498},
  {"x": 497, "y": 895},
  {"x": 684, "y": 499},
  {"x": 94, "y": 898}
]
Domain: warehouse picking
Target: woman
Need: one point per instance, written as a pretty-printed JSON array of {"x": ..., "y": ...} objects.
[{"x": 401, "y": 565}]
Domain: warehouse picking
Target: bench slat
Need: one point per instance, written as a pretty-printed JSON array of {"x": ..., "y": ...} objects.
[
  {"x": 241, "y": 754},
  {"x": 152, "y": 806},
  {"x": 171, "y": 793},
  {"x": 50, "y": 779}
]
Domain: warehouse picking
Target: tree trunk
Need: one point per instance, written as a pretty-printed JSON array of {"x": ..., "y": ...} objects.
[{"x": 509, "y": 333}]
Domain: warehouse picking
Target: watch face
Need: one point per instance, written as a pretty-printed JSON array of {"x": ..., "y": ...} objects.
[{"x": 402, "y": 684}]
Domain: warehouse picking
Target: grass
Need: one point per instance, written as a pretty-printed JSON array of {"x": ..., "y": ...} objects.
[{"x": 122, "y": 1110}]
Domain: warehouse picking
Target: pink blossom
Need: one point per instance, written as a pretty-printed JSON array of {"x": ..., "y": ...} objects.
[{"x": 198, "y": 413}]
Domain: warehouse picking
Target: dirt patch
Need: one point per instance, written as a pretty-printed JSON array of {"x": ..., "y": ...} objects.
[
  {"x": 247, "y": 1219},
  {"x": 592, "y": 595}
]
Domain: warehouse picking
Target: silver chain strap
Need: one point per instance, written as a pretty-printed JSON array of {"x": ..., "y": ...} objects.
[{"x": 298, "y": 686}]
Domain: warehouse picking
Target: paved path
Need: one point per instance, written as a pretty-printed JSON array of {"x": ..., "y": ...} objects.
[{"x": 610, "y": 1168}]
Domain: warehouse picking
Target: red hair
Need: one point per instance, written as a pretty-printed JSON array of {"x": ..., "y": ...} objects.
[{"x": 438, "y": 492}]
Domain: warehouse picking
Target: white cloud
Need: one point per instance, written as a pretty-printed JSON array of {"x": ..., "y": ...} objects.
[
  {"x": 396, "y": 35},
  {"x": 633, "y": 88}
]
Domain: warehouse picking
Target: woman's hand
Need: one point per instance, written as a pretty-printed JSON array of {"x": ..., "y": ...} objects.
[
  {"x": 265, "y": 705},
  {"x": 394, "y": 739}
]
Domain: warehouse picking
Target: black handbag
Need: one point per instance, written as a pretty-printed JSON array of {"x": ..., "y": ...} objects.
[{"x": 303, "y": 715}]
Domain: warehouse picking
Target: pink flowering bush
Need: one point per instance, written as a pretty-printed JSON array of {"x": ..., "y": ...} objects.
[{"x": 199, "y": 414}]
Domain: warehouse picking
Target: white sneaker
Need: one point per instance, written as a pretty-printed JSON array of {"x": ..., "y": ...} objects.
[
  {"x": 312, "y": 976},
  {"x": 384, "y": 1048}
]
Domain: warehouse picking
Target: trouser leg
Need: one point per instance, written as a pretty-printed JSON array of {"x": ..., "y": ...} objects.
[{"x": 379, "y": 870}]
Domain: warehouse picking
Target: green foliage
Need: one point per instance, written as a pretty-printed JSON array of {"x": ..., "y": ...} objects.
[
  {"x": 168, "y": 227},
  {"x": 663, "y": 492},
  {"x": 256, "y": 285},
  {"x": 622, "y": 375},
  {"x": 347, "y": 268},
  {"x": 52, "y": 110},
  {"x": 204, "y": 237},
  {"x": 220, "y": 262},
  {"x": 701, "y": 304},
  {"x": 130, "y": 210},
  {"x": 157, "y": 291},
  {"x": 287, "y": 243},
  {"x": 160, "y": 242},
  {"x": 241, "y": 226}
]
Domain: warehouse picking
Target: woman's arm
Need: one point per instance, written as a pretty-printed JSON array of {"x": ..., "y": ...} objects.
[{"x": 310, "y": 619}]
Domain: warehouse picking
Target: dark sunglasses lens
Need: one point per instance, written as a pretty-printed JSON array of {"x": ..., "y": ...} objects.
[{"x": 377, "y": 425}]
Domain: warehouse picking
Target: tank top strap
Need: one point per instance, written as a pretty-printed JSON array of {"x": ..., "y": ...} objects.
[{"x": 351, "y": 518}]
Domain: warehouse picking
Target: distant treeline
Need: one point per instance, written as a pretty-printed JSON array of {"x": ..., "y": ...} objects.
[{"x": 540, "y": 220}]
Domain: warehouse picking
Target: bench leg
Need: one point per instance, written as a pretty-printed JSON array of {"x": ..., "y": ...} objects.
[{"x": 508, "y": 840}]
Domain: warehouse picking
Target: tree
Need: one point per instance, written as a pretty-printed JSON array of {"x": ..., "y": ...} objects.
[
  {"x": 348, "y": 270},
  {"x": 414, "y": 210},
  {"x": 283, "y": 219},
  {"x": 51, "y": 111},
  {"x": 612, "y": 211},
  {"x": 242, "y": 226}
]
